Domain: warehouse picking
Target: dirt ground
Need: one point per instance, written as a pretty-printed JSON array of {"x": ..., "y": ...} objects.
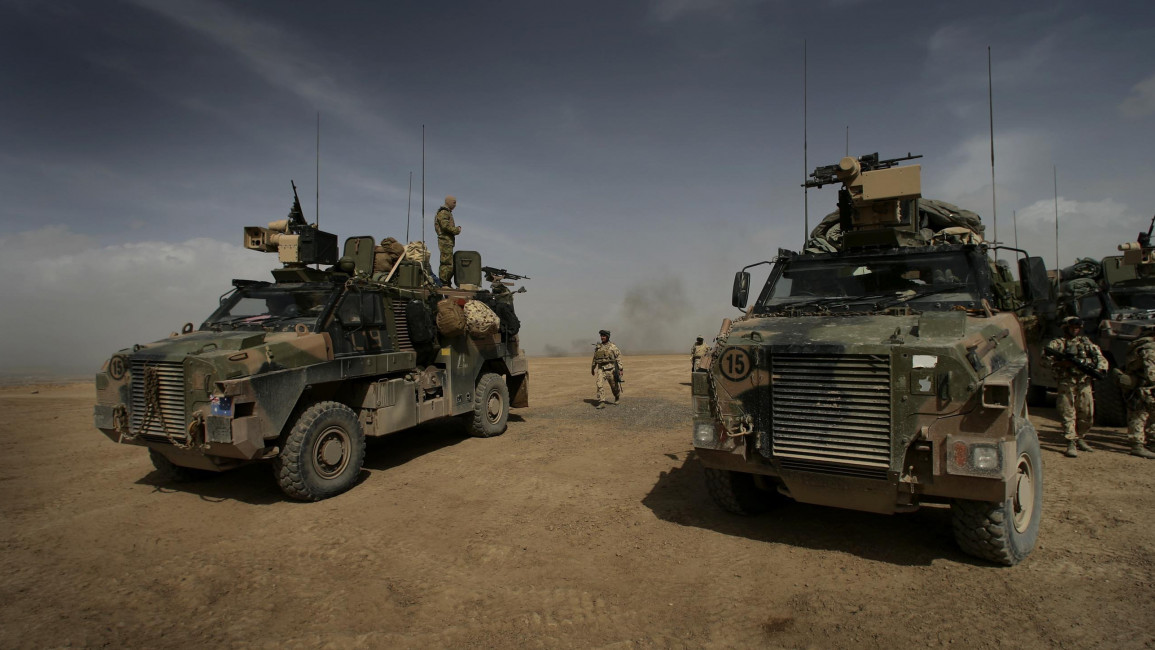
[{"x": 577, "y": 527}]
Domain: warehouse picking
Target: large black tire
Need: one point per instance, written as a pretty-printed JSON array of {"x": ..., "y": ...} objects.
[
  {"x": 1110, "y": 409},
  {"x": 323, "y": 454},
  {"x": 737, "y": 492},
  {"x": 1005, "y": 532},
  {"x": 490, "y": 407},
  {"x": 174, "y": 473}
]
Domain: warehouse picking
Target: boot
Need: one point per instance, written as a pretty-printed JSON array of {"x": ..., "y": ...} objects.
[
  {"x": 601, "y": 405},
  {"x": 1083, "y": 445},
  {"x": 1139, "y": 450},
  {"x": 1071, "y": 451}
]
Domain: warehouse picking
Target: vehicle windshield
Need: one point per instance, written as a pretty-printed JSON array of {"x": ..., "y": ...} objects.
[
  {"x": 1134, "y": 299},
  {"x": 271, "y": 306},
  {"x": 938, "y": 280}
]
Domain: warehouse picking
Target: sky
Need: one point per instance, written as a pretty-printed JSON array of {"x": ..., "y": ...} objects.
[{"x": 627, "y": 155}]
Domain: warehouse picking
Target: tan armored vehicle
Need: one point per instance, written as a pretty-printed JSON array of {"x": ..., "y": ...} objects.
[
  {"x": 298, "y": 371},
  {"x": 881, "y": 369}
]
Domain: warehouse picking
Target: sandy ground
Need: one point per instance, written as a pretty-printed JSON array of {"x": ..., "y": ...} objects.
[{"x": 575, "y": 528}]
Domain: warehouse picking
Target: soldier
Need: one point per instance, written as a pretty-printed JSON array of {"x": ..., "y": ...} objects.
[
  {"x": 1140, "y": 365},
  {"x": 607, "y": 368},
  {"x": 1075, "y": 402},
  {"x": 447, "y": 231},
  {"x": 698, "y": 351}
]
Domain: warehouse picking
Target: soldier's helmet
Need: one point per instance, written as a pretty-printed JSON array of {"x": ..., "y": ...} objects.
[
  {"x": 605, "y": 333},
  {"x": 700, "y": 339},
  {"x": 1072, "y": 322}
]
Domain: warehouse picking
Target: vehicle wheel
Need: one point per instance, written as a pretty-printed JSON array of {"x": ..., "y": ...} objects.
[
  {"x": 1036, "y": 395},
  {"x": 490, "y": 406},
  {"x": 323, "y": 453},
  {"x": 1005, "y": 533},
  {"x": 174, "y": 473},
  {"x": 1110, "y": 409},
  {"x": 737, "y": 492}
]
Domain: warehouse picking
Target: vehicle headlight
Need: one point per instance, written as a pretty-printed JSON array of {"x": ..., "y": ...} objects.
[
  {"x": 985, "y": 458},
  {"x": 704, "y": 434}
]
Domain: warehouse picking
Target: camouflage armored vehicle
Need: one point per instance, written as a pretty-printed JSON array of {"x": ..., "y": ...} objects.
[
  {"x": 882, "y": 368},
  {"x": 1115, "y": 297},
  {"x": 298, "y": 371}
]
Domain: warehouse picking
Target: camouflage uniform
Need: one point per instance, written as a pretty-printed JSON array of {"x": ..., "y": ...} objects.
[
  {"x": 1141, "y": 399},
  {"x": 698, "y": 351},
  {"x": 1075, "y": 401},
  {"x": 607, "y": 358},
  {"x": 447, "y": 232}
]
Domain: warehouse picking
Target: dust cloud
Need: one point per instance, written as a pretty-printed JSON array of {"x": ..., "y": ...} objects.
[{"x": 656, "y": 317}]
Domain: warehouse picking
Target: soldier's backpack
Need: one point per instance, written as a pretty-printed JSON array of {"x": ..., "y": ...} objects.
[
  {"x": 504, "y": 310},
  {"x": 421, "y": 326},
  {"x": 480, "y": 321},
  {"x": 385, "y": 255},
  {"x": 450, "y": 318}
]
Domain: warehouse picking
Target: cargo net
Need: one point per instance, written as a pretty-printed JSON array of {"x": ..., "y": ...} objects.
[{"x": 939, "y": 222}]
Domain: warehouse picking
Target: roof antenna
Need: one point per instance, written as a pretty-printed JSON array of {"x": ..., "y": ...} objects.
[
  {"x": 422, "y": 183},
  {"x": 318, "y": 188},
  {"x": 991, "y": 106},
  {"x": 1055, "y": 174},
  {"x": 409, "y": 207},
  {"x": 805, "y": 160},
  {"x": 847, "y": 140},
  {"x": 1015, "y": 223}
]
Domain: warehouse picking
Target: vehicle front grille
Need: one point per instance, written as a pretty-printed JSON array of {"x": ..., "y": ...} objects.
[
  {"x": 159, "y": 412},
  {"x": 402, "y": 322},
  {"x": 831, "y": 413}
]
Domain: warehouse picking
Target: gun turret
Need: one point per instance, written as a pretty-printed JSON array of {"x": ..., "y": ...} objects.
[
  {"x": 878, "y": 201},
  {"x": 295, "y": 241},
  {"x": 494, "y": 274}
]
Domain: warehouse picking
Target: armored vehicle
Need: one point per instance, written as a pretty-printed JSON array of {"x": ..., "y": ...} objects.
[
  {"x": 297, "y": 372},
  {"x": 1115, "y": 297},
  {"x": 881, "y": 368}
]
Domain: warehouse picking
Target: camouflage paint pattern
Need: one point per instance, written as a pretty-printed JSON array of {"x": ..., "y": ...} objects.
[{"x": 214, "y": 399}]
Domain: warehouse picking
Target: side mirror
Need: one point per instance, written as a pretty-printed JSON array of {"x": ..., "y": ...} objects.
[
  {"x": 741, "y": 289},
  {"x": 1033, "y": 277}
]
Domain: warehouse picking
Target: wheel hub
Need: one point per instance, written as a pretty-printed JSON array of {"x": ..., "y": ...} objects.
[
  {"x": 493, "y": 407},
  {"x": 1024, "y": 499},
  {"x": 331, "y": 453}
]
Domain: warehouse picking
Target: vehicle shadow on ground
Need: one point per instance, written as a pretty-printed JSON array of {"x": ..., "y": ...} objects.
[
  {"x": 255, "y": 484},
  {"x": 398, "y": 448},
  {"x": 252, "y": 484},
  {"x": 910, "y": 539}
]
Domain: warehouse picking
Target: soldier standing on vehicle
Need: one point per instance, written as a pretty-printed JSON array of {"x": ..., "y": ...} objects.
[
  {"x": 698, "y": 351},
  {"x": 607, "y": 368},
  {"x": 1140, "y": 366},
  {"x": 447, "y": 232},
  {"x": 1075, "y": 402}
]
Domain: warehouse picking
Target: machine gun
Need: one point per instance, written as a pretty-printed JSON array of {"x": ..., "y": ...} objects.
[
  {"x": 1145, "y": 237},
  {"x": 1090, "y": 371},
  {"x": 827, "y": 174},
  {"x": 494, "y": 274}
]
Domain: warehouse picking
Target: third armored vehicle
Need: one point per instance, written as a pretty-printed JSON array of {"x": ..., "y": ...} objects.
[
  {"x": 298, "y": 371},
  {"x": 882, "y": 368}
]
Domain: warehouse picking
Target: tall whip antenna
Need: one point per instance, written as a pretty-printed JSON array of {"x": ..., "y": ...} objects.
[
  {"x": 1055, "y": 173},
  {"x": 409, "y": 207},
  {"x": 318, "y": 183},
  {"x": 847, "y": 140},
  {"x": 1015, "y": 223},
  {"x": 805, "y": 160},
  {"x": 991, "y": 106},
  {"x": 423, "y": 183}
]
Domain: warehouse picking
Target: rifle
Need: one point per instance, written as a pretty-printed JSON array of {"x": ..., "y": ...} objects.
[
  {"x": 495, "y": 274},
  {"x": 1090, "y": 371},
  {"x": 1145, "y": 237},
  {"x": 296, "y": 215}
]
